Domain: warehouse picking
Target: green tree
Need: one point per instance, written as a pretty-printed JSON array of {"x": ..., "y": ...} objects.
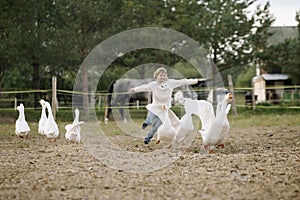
[
  {"x": 244, "y": 78},
  {"x": 223, "y": 27},
  {"x": 283, "y": 57},
  {"x": 293, "y": 65},
  {"x": 53, "y": 37},
  {"x": 27, "y": 26},
  {"x": 83, "y": 25}
]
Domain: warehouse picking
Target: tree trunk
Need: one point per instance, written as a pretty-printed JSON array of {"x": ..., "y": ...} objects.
[
  {"x": 85, "y": 90},
  {"x": 36, "y": 83},
  {"x": 214, "y": 73},
  {"x": 1, "y": 78}
]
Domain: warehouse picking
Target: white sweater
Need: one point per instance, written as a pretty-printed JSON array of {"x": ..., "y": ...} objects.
[{"x": 162, "y": 92}]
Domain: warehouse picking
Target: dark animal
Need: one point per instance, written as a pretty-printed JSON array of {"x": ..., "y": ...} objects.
[{"x": 119, "y": 97}]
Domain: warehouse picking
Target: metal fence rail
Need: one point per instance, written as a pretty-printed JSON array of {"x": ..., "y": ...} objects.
[{"x": 289, "y": 98}]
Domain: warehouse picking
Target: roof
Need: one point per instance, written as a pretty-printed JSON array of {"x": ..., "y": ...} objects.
[
  {"x": 281, "y": 33},
  {"x": 274, "y": 77},
  {"x": 271, "y": 77}
]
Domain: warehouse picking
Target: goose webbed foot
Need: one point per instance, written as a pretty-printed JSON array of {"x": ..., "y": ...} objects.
[{"x": 220, "y": 145}]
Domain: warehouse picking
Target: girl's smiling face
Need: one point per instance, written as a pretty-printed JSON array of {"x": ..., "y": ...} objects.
[{"x": 161, "y": 77}]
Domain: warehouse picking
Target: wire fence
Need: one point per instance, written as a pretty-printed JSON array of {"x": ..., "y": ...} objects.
[{"x": 274, "y": 97}]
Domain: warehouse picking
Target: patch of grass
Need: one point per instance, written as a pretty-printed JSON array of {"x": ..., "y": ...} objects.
[
  {"x": 7, "y": 129},
  {"x": 246, "y": 118},
  {"x": 265, "y": 117},
  {"x": 244, "y": 121},
  {"x": 33, "y": 115},
  {"x": 112, "y": 129}
]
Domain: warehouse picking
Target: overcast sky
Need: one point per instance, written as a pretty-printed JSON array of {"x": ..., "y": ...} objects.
[{"x": 284, "y": 11}]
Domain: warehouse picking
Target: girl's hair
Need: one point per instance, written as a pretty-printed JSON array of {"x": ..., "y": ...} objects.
[{"x": 158, "y": 71}]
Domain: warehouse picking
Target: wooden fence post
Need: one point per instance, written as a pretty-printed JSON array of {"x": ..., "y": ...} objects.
[
  {"x": 93, "y": 99},
  {"x": 253, "y": 95},
  {"x": 16, "y": 103},
  {"x": 231, "y": 90},
  {"x": 54, "y": 97},
  {"x": 99, "y": 102},
  {"x": 149, "y": 97}
]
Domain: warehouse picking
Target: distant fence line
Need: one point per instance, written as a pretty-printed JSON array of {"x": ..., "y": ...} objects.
[
  {"x": 9, "y": 99},
  {"x": 103, "y": 92}
]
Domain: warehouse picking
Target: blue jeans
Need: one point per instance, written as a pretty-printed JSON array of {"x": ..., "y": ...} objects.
[{"x": 149, "y": 120}]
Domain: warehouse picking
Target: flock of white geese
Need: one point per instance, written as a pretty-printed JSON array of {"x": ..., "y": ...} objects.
[
  {"x": 215, "y": 126},
  {"x": 47, "y": 126}
]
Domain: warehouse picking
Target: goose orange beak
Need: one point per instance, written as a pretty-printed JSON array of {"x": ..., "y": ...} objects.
[{"x": 230, "y": 96}]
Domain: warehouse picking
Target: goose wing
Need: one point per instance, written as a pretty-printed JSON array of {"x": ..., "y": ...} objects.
[
  {"x": 73, "y": 127},
  {"x": 73, "y": 131},
  {"x": 203, "y": 109}
]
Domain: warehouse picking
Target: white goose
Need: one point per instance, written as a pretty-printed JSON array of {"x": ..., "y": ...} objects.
[
  {"x": 73, "y": 130},
  {"x": 50, "y": 127},
  {"x": 22, "y": 128},
  {"x": 182, "y": 128},
  {"x": 43, "y": 118},
  {"x": 215, "y": 128},
  {"x": 186, "y": 127}
]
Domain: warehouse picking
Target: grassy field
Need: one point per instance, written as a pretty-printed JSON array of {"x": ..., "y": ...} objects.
[{"x": 246, "y": 118}]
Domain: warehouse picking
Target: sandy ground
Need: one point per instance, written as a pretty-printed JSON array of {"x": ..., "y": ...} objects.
[{"x": 256, "y": 163}]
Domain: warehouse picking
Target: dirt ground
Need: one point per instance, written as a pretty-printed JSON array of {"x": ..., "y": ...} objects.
[{"x": 256, "y": 163}]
